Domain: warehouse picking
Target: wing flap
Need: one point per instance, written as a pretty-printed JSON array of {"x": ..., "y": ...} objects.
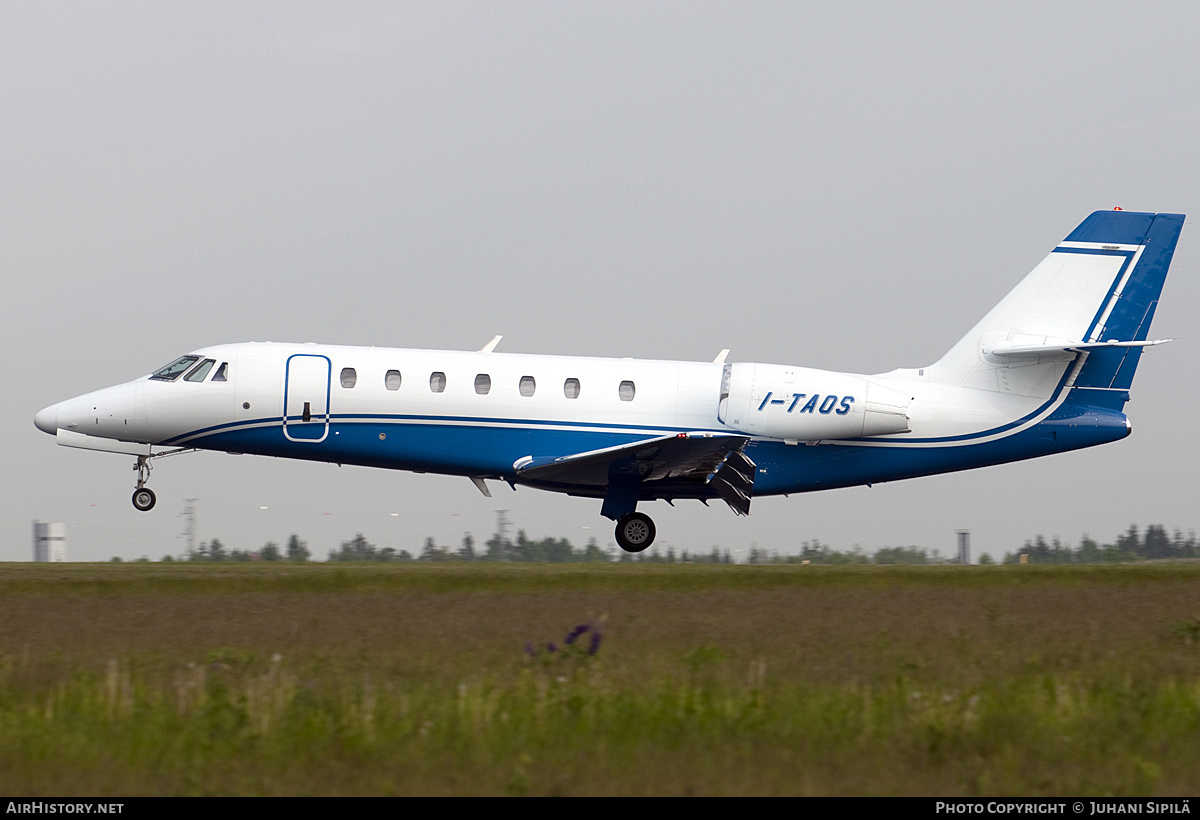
[
  {"x": 735, "y": 482},
  {"x": 697, "y": 456}
]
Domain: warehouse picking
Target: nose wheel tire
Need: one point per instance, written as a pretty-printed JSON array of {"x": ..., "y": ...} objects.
[
  {"x": 635, "y": 532},
  {"x": 144, "y": 499}
]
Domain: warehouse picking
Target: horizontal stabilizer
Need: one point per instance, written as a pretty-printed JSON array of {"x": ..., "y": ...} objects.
[
  {"x": 680, "y": 456},
  {"x": 1014, "y": 350}
]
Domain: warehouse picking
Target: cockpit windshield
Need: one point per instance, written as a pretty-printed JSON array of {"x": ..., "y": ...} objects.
[
  {"x": 199, "y": 371},
  {"x": 171, "y": 372}
]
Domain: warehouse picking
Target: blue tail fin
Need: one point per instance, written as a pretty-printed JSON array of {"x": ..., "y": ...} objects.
[{"x": 1126, "y": 316}]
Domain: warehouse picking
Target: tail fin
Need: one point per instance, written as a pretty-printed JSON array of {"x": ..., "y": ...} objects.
[{"x": 1089, "y": 303}]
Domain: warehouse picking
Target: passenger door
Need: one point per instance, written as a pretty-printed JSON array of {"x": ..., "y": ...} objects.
[{"x": 306, "y": 398}]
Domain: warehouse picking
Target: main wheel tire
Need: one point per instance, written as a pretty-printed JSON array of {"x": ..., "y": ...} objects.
[
  {"x": 635, "y": 532},
  {"x": 144, "y": 499}
]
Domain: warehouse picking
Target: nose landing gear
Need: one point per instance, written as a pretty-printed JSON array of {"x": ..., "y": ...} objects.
[
  {"x": 143, "y": 499},
  {"x": 143, "y": 496}
]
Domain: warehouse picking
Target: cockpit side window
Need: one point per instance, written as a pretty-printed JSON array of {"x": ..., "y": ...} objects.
[
  {"x": 222, "y": 373},
  {"x": 171, "y": 372},
  {"x": 200, "y": 371}
]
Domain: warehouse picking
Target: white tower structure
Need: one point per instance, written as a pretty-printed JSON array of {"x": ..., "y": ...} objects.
[
  {"x": 964, "y": 547},
  {"x": 49, "y": 541}
]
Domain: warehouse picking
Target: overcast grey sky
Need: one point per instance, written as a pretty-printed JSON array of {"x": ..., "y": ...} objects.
[{"x": 844, "y": 186}]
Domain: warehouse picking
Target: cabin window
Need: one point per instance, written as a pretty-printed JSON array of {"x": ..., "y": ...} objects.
[
  {"x": 626, "y": 391},
  {"x": 528, "y": 385},
  {"x": 222, "y": 373},
  {"x": 175, "y": 369},
  {"x": 483, "y": 384},
  {"x": 349, "y": 377},
  {"x": 571, "y": 388},
  {"x": 392, "y": 380},
  {"x": 437, "y": 381},
  {"x": 199, "y": 371}
]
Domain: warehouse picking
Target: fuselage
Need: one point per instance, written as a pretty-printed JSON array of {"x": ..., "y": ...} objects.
[
  {"x": 1047, "y": 369},
  {"x": 478, "y": 414}
]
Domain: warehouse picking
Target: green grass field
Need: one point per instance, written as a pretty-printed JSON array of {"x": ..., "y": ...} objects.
[{"x": 129, "y": 679}]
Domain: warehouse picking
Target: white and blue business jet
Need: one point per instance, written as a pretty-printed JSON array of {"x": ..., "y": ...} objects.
[{"x": 1047, "y": 370}]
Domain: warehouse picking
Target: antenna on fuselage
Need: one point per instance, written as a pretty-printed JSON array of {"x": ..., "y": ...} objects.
[{"x": 490, "y": 346}]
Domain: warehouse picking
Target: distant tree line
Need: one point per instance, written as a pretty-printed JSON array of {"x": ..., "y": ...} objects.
[
  {"x": 547, "y": 550},
  {"x": 814, "y": 552},
  {"x": 214, "y": 550},
  {"x": 1129, "y": 546},
  {"x": 1132, "y": 545},
  {"x": 560, "y": 550}
]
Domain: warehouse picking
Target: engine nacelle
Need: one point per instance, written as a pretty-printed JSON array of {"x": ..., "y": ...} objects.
[{"x": 803, "y": 404}]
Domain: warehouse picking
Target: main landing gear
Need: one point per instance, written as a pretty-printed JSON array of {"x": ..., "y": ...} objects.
[{"x": 635, "y": 532}]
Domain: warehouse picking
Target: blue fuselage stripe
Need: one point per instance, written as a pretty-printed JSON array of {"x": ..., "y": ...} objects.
[{"x": 491, "y": 450}]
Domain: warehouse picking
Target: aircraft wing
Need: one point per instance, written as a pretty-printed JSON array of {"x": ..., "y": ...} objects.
[{"x": 704, "y": 457}]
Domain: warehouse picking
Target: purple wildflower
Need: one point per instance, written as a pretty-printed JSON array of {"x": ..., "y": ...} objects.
[
  {"x": 594, "y": 644},
  {"x": 550, "y": 647},
  {"x": 574, "y": 634},
  {"x": 529, "y": 649}
]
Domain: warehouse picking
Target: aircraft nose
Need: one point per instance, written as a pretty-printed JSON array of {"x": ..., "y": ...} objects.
[{"x": 47, "y": 420}]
